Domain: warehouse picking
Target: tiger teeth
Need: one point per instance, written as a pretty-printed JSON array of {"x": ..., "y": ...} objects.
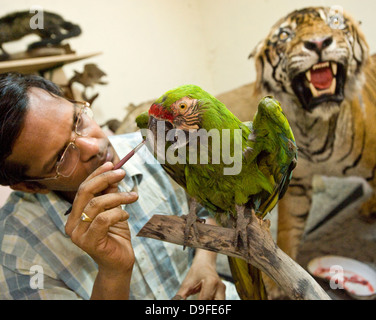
[
  {"x": 308, "y": 75},
  {"x": 330, "y": 90},
  {"x": 334, "y": 68},
  {"x": 326, "y": 64},
  {"x": 321, "y": 65},
  {"x": 314, "y": 91}
]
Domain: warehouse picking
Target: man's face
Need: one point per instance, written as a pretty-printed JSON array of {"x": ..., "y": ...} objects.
[{"x": 48, "y": 129}]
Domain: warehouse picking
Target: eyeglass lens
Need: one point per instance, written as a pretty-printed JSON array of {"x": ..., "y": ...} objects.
[
  {"x": 83, "y": 120},
  {"x": 69, "y": 160}
]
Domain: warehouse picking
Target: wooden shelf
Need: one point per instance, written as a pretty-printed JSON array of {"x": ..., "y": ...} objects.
[{"x": 32, "y": 65}]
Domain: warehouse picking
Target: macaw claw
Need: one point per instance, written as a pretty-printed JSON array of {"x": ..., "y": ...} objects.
[
  {"x": 241, "y": 235},
  {"x": 190, "y": 223}
]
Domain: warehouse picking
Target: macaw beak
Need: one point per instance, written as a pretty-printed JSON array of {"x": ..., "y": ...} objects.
[
  {"x": 153, "y": 124},
  {"x": 164, "y": 130},
  {"x": 158, "y": 128}
]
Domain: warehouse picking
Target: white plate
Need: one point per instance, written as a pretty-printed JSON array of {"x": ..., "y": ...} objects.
[{"x": 357, "y": 278}]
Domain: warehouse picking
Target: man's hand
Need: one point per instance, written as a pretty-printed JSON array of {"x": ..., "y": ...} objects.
[
  {"x": 203, "y": 278},
  {"x": 107, "y": 237}
]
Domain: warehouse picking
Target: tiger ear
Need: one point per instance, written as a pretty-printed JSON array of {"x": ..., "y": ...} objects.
[
  {"x": 256, "y": 50},
  {"x": 361, "y": 48},
  {"x": 360, "y": 45}
]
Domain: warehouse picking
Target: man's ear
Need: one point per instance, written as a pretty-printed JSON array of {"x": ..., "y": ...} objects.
[{"x": 30, "y": 187}]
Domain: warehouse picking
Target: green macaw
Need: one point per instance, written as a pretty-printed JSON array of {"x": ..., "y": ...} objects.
[{"x": 266, "y": 149}]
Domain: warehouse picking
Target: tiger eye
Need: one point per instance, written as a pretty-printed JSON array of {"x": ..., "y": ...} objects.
[{"x": 283, "y": 35}]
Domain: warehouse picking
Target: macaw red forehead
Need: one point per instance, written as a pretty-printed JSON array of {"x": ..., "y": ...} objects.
[{"x": 160, "y": 112}]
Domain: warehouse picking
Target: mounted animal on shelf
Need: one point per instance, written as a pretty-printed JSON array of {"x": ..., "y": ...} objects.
[
  {"x": 91, "y": 76},
  {"x": 17, "y": 25}
]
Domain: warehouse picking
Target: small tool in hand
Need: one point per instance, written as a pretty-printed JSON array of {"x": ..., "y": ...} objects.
[{"x": 129, "y": 155}]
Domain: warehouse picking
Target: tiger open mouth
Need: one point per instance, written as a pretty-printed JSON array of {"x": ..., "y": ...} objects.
[{"x": 324, "y": 82}]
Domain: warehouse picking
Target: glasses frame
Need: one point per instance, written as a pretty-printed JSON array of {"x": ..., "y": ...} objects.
[{"x": 82, "y": 105}]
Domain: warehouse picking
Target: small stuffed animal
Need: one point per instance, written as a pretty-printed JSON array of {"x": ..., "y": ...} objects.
[{"x": 16, "y": 25}]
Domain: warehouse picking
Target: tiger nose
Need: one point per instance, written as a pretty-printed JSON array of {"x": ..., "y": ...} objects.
[{"x": 318, "y": 45}]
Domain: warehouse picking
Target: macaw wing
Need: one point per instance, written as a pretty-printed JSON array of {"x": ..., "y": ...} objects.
[
  {"x": 282, "y": 178},
  {"x": 177, "y": 173}
]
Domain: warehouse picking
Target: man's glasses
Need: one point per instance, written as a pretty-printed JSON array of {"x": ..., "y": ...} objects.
[{"x": 71, "y": 155}]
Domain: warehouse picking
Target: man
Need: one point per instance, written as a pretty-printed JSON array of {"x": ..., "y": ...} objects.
[{"x": 56, "y": 157}]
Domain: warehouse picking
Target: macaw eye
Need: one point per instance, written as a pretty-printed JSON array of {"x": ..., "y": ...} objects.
[{"x": 183, "y": 106}]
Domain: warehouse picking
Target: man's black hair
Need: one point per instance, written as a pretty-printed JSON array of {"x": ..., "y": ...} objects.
[{"x": 14, "y": 103}]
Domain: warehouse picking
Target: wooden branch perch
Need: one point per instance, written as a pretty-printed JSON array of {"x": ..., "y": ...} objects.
[{"x": 263, "y": 252}]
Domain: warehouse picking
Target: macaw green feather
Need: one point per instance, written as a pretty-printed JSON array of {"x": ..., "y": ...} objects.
[{"x": 267, "y": 152}]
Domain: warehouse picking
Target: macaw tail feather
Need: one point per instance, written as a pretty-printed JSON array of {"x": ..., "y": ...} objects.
[{"x": 248, "y": 280}]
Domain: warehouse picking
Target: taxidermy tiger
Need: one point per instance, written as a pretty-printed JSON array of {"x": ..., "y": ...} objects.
[
  {"x": 315, "y": 62},
  {"x": 16, "y": 25}
]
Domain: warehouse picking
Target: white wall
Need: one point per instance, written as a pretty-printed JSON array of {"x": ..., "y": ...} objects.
[{"x": 151, "y": 46}]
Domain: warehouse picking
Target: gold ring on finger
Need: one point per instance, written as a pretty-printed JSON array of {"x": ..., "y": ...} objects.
[{"x": 85, "y": 217}]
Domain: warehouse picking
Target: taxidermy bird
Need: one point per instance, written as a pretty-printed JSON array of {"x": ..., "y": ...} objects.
[
  {"x": 90, "y": 77},
  {"x": 266, "y": 153}
]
